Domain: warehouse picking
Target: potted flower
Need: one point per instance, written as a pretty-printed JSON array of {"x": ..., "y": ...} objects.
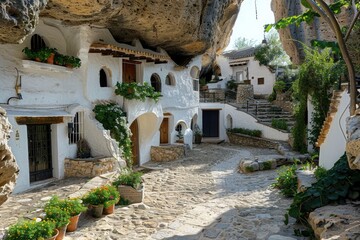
[
  {"x": 73, "y": 207},
  {"x": 60, "y": 217},
  {"x": 42, "y": 55},
  {"x": 98, "y": 198},
  {"x": 130, "y": 186},
  {"x": 32, "y": 229}
]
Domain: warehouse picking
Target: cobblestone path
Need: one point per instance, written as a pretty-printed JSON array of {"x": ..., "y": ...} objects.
[{"x": 201, "y": 196}]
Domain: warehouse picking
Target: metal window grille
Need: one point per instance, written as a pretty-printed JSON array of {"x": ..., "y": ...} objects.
[
  {"x": 37, "y": 42},
  {"x": 78, "y": 128}
]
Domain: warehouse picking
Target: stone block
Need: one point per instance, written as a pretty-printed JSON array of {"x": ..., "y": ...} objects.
[
  {"x": 267, "y": 164},
  {"x": 248, "y": 166}
]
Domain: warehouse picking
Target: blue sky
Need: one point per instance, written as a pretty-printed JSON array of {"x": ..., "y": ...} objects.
[{"x": 247, "y": 25}]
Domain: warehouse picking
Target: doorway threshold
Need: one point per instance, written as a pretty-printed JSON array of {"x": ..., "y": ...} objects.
[{"x": 39, "y": 184}]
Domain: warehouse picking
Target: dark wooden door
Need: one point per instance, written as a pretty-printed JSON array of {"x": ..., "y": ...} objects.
[
  {"x": 129, "y": 72},
  {"x": 39, "y": 146},
  {"x": 164, "y": 131},
  {"x": 134, "y": 128},
  {"x": 210, "y": 123}
]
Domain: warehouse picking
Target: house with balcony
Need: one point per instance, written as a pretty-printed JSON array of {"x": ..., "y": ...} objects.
[{"x": 50, "y": 107}]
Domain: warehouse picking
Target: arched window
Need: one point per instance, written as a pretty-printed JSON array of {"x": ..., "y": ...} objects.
[
  {"x": 180, "y": 129},
  {"x": 156, "y": 82},
  {"x": 170, "y": 79},
  {"x": 104, "y": 77},
  {"x": 37, "y": 42},
  {"x": 195, "y": 72}
]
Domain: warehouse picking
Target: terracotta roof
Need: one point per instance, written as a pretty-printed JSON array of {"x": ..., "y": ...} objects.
[
  {"x": 132, "y": 54},
  {"x": 242, "y": 53}
]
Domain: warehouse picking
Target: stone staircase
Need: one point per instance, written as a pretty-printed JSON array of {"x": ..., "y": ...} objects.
[
  {"x": 264, "y": 111},
  {"x": 335, "y": 101}
]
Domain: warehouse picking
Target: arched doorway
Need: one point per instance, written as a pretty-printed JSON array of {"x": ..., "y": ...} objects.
[{"x": 134, "y": 128}]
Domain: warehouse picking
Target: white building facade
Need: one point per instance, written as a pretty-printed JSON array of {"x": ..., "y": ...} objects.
[{"x": 53, "y": 96}]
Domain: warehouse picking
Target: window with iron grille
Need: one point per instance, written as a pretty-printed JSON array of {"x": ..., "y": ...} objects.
[
  {"x": 77, "y": 132},
  {"x": 37, "y": 42},
  {"x": 261, "y": 81}
]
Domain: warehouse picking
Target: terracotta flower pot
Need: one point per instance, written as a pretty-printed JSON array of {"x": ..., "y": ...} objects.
[
  {"x": 109, "y": 210},
  {"x": 62, "y": 232},
  {"x": 55, "y": 235},
  {"x": 73, "y": 223},
  {"x": 50, "y": 59}
]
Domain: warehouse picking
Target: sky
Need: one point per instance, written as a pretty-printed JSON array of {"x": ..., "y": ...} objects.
[{"x": 247, "y": 25}]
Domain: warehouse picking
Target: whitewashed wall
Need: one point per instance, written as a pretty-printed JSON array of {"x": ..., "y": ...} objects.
[
  {"x": 334, "y": 145},
  {"x": 243, "y": 120}
]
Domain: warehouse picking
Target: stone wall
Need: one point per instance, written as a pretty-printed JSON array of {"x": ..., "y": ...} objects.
[
  {"x": 8, "y": 167},
  {"x": 244, "y": 92},
  {"x": 283, "y": 100},
  {"x": 353, "y": 141},
  {"x": 245, "y": 140},
  {"x": 167, "y": 153},
  {"x": 89, "y": 167}
]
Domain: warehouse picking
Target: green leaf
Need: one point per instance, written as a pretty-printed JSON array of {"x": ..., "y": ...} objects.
[{"x": 305, "y": 4}]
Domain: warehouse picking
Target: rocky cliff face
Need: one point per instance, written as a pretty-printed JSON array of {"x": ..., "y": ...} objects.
[
  {"x": 183, "y": 28},
  {"x": 8, "y": 168},
  {"x": 293, "y": 37}
]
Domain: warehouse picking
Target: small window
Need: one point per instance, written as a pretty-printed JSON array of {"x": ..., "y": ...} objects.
[
  {"x": 195, "y": 85},
  {"x": 37, "y": 42},
  {"x": 195, "y": 72},
  {"x": 156, "y": 82},
  {"x": 105, "y": 77},
  {"x": 260, "y": 81},
  {"x": 76, "y": 128},
  {"x": 170, "y": 79}
]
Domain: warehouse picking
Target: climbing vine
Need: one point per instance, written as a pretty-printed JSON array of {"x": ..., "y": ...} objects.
[
  {"x": 113, "y": 118},
  {"x": 317, "y": 76}
]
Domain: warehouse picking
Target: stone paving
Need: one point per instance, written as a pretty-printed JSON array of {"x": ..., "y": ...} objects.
[{"x": 201, "y": 196}]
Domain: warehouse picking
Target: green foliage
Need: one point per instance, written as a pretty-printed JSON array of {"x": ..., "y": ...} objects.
[
  {"x": 113, "y": 118},
  {"x": 129, "y": 178},
  {"x": 308, "y": 16},
  {"x": 106, "y": 195},
  {"x": 72, "y": 206},
  {"x": 272, "y": 53},
  {"x": 57, "y": 215},
  {"x": 202, "y": 81},
  {"x": 279, "y": 124},
  {"x": 243, "y": 42},
  {"x": 31, "y": 230},
  {"x": 250, "y": 132},
  {"x": 279, "y": 86},
  {"x": 287, "y": 180},
  {"x": 267, "y": 165},
  {"x": 334, "y": 187},
  {"x": 137, "y": 91},
  {"x": 231, "y": 85},
  {"x": 41, "y": 55},
  {"x": 272, "y": 96},
  {"x": 317, "y": 76},
  {"x": 320, "y": 172}
]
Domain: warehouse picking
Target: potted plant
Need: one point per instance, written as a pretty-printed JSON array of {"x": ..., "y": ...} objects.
[
  {"x": 32, "y": 229},
  {"x": 130, "y": 186},
  {"x": 73, "y": 207},
  {"x": 60, "y": 217},
  {"x": 72, "y": 62},
  {"x": 197, "y": 134},
  {"x": 43, "y": 55},
  {"x": 101, "y": 197}
]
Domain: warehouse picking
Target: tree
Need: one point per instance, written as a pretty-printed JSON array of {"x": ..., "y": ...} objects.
[
  {"x": 272, "y": 53},
  {"x": 243, "y": 42},
  {"x": 318, "y": 8}
]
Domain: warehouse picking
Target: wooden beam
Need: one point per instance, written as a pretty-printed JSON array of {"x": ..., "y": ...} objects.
[{"x": 39, "y": 120}]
